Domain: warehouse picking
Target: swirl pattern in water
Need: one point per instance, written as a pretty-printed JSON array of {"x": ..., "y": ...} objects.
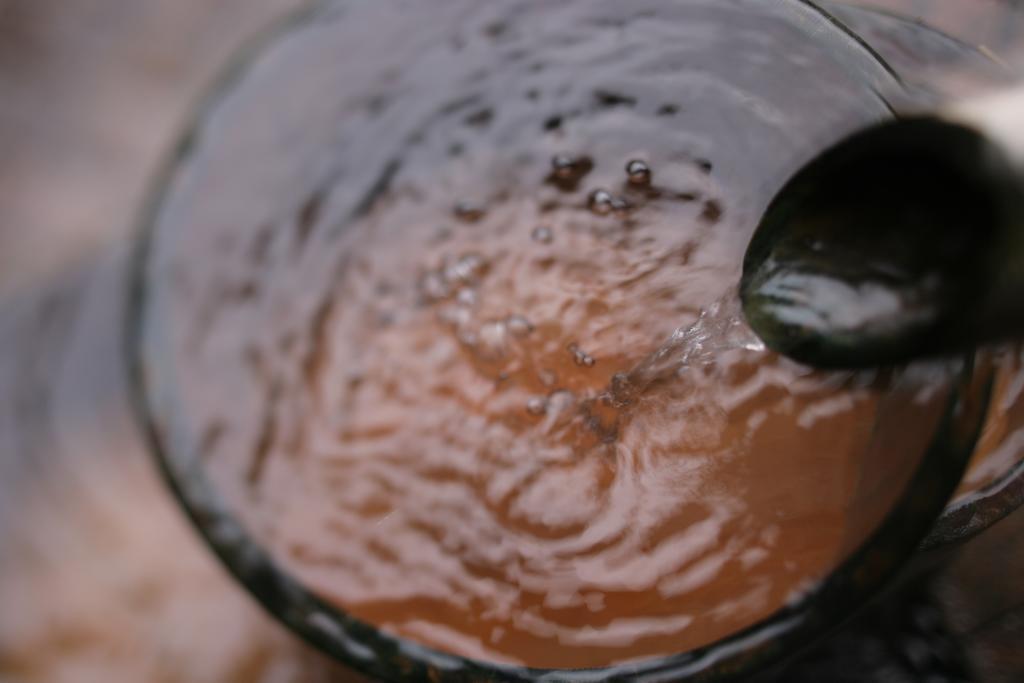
[{"x": 413, "y": 284}]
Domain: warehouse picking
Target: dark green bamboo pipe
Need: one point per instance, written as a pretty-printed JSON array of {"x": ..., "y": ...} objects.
[{"x": 904, "y": 240}]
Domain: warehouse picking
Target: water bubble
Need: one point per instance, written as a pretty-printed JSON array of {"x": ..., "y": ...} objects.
[
  {"x": 547, "y": 377},
  {"x": 537, "y": 405},
  {"x": 469, "y": 212},
  {"x": 620, "y": 205},
  {"x": 565, "y": 166},
  {"x": 466, "y": 297},
  {"x": 433, "y": 287},
  {"x": 600, "y": 202},
  {"x": 518, "y": 326},
  {"x": 581, "y": 357},
  {"x": 560, "y": 402},
  {"x": 639, "y": 172},
  {"x": 542, "y": 234},
  {"x": 466, "y": 270},
  {"x": 458, "y": 317},
  {"x": 567, "y": 171},
  {"x": 493, "y": 339},
  {"x": 603, "y": 203}
]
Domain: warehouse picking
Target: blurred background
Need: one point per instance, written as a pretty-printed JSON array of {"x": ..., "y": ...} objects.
[
  {"x": 101, "y": 579},
  {"x": 92, "y": 91}
]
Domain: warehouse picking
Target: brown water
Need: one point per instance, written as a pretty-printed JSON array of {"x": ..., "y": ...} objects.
[
  {"x": 511, "y": 467},
  {"x": 458, "y": 341}
]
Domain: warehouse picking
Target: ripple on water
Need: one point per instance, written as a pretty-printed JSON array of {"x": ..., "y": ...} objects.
[{"x": 560, "y": 450}]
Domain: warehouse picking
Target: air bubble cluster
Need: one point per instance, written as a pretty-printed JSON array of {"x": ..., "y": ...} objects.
[
  {"x": 581, "y": 357},
  {"x": 602, "y": 202},
  {"x": 455, "y": 277}
]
